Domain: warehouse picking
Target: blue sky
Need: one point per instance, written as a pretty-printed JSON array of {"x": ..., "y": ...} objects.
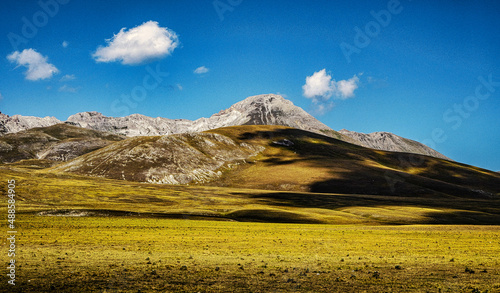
[{"x": 425, "y": 70}]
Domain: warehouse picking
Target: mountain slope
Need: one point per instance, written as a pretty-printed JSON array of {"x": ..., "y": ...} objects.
[
  {"x": 267, "y": 109},
  {"x": 58, "y": 142},
  {"x": 174, "y": 159},
  {"x": 281, "y": 158}
]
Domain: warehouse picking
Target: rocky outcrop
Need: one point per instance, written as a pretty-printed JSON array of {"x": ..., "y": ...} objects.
[
  {"x": 18, "y": 123},
  {"x": 262, "y": 110},
  {"x": 132, "y": 125},
  {"x": 390, "y": 142}
]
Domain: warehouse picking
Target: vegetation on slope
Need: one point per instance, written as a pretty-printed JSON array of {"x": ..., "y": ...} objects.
[{"x": 49, "y": 193}]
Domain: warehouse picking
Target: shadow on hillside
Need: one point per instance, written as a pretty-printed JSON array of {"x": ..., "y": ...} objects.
[
  {"x": 473, "y": 212},
  {"x": 378, "y": 172}
]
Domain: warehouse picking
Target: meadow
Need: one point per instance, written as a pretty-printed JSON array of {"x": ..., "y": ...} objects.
[{"x": 136, "y": 254}]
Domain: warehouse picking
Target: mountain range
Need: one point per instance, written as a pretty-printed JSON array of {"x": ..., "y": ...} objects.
[{"x": 267, "y": 109}]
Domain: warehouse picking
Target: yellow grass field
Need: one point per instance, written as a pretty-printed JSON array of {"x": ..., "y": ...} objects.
[{"x": 134, "y": 254}]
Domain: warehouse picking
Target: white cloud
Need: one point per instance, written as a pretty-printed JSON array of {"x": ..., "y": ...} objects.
[
  {"x": 320, "y": 87},
  {"x": 68, "y": 89},
  {"x": 346, "y": 88},
  {"x": 179, "y": 87},
  {"x": 68, "y": 77},
  {"x": 65, "y": 44},
  {"x": 201, "y": 70},
  {"x": 38, "y": 67},
  {"x": 145, "y": 42}
]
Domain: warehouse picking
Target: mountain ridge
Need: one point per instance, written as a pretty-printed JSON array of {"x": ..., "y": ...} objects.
[{"x": 267, "y": 109}]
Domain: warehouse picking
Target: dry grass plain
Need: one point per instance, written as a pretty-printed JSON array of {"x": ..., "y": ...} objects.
[{"x": 134, "y": 254}]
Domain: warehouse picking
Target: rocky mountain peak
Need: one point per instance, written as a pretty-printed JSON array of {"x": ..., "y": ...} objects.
[
  {"x": 85, "y": 115},
  {"x": 272, "y": 109}
]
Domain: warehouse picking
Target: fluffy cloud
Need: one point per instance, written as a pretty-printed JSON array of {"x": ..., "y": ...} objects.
[
  {"x": 320, "y": 87},
  {"x": 201, "y": 70},
  {"x": 65, "y": 44},
  {"x": 346, "y": 88},
  {"x": 38, "y": 67},
  {"x": 68, "y": 77},
  {"x": 145, "y": 42}
]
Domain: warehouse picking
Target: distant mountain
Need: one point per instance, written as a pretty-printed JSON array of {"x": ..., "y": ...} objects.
[
  {"x": 58, "y": 142},
  {"x": 390, "y": 142},
  {"x": 267, "y": 109},
  {"x": 282, "y": 158}
]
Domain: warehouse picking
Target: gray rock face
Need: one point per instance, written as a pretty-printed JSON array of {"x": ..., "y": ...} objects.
[{"x": 390, "y": 142}]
